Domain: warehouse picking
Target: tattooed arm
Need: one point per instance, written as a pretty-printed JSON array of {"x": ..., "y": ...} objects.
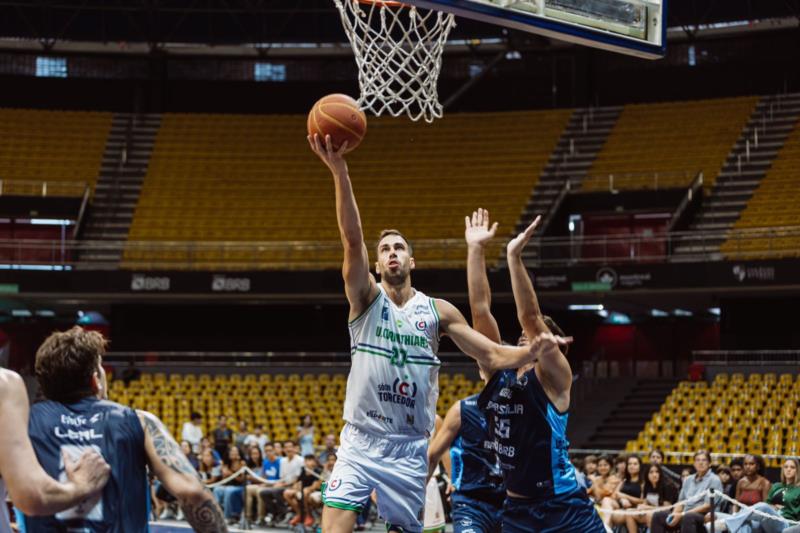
[{"x": 171, "y": 466}]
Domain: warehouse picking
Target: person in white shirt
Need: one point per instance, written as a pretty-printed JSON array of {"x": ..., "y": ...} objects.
[
  {"x": 193, "y": 432},
  {"x": 291, "y": 467},
  {"x": 258, "y": 438}
]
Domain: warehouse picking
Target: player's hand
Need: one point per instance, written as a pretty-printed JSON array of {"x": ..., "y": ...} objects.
[
  {"x": 545, "y": 343},
  {"x": 89, "y": 474},
  {"x": 517, "y": 244},
  {"x": 333, "y": 159},
  {"x": 478, "y": 232}
]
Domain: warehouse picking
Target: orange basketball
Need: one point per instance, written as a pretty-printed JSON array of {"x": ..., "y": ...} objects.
[{"x": 339, "y": 116}]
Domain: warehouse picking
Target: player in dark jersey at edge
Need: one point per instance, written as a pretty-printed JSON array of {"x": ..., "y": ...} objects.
[
  {"x": 77, "y": 416},
  {"x": 527, "y": 413}
]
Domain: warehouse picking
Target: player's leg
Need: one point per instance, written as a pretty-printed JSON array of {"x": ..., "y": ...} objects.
[
  {"x": 401, "y": 485},
  {"x": 350, "y": 484},
  {"x": 474, "y": 516},
  {"x": 564, "y": 513}
]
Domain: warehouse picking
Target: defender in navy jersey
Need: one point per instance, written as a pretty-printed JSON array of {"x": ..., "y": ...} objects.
[
  {"x": 76, "y": 417},
  {"x": 477, "y": 483},
  {"x": 527, "y": 407},
  {"x": 29, "y": 486}
]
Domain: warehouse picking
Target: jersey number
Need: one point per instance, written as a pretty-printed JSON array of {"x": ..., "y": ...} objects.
[
  {"x": 90, "y": 508},
  {"x": 503, "y": 428},
  {"x": 399, "y": 356}
]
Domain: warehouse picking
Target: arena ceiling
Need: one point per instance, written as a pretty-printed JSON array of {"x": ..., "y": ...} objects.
[{"x": 219, "y": 22}]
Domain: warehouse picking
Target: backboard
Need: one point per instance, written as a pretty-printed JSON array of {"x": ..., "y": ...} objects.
[{"x": 634, "y": 27}]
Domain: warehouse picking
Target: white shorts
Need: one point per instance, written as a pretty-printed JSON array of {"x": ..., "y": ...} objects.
[
  {"x": 395, "y": 468},
  {"x": 434, "y": 508}
]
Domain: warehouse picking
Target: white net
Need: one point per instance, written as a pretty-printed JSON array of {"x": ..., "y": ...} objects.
[{"x": 398, "y": 50}]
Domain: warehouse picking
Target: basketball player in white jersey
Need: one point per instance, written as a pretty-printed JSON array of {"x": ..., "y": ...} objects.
[
  {"x": 32, "y": 490},
  {"x": 393, "y": 384}
]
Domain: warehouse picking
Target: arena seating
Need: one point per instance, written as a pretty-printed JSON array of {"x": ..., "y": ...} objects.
[
  {"x": 62, "y": 148},
  {"x": 277, "y": 401},
  {"x": 734, "y": 414},
  {"x": 674, "y": 140},
  {"x": 775, "y": 204},
  {"x": 253, "y": 178}
]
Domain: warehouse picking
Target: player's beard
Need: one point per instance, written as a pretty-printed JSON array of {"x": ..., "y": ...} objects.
[{"x": 397, "y": 277}]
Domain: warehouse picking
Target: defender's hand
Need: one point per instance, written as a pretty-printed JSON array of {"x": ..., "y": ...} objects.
[
  {"x": 90, "y": 473},
  {"x": 478, "y": 232},
  {"x": 518, "y": 243}
]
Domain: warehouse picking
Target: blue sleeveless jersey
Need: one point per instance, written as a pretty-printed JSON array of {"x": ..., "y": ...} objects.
[
  {"x": 475, "y": 469},
  {"x": 116, "y": 433},
  {"x": 529, "y": 435}
]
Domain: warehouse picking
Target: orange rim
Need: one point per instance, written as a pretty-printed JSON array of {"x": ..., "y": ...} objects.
[{"x": 382, "y": 3}]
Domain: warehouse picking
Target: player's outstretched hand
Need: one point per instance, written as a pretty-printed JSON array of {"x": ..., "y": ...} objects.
[
  {"x": 333, "y": 159},
  {"x": 545, "y": 343},
  {"x": 518, "y": 243},
  {"x": 478, "y": 232},
  {"x": 90, "y": 473}
]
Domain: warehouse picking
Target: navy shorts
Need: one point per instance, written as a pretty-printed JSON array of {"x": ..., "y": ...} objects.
[
  {"x": 572, "y": 512},
  {"x": 471, "y": 515}
]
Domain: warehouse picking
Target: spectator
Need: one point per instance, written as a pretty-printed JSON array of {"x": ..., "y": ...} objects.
[
  {"x": 290, "y": 467},
  {"x": 254, "y": 458},
  {"x": 728, "y": 487},
  {"x": 279, "y": 449},
  {"x": 657, "y": 492},
  {"x": 205, "y": 444},
  {"x": 620, "y": 462},
  {"x": 192, "y": 431},
  {"x": 753, "y": 487},
  {"x": 628, "y": 494},
  {"x": 330, "y": 448},
  {"x": 737, "y": 469},
  {"x": 305, "y": 436},
  {"x": 270, "y": 471},
  {"x": 223, "y": 436},
  {"x": 186, "y": 448},
  {"x": 605, "y": 483},
  {"x": 241, "y": 436},
  {"x": 685, "y": 472},
  {"x": 230, "y": 496},
  {"x": 210, "y": 471},
  {"x": 689, "y": 518},
  {"x": 314, "y": 500},
  {"x": 257, "y": 438},
  {"x": 590, "y": 466},
  {"x": 657, "y": 458},
  {"x": 308, "y": 482},
  {"x": 783, "y": 501}
]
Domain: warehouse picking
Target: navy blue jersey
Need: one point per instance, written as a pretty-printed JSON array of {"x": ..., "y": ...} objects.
[
  {"x": 475, "y": 469},
  {"x": 115, "y": 432},
  {"x": 530, "y": 435}
]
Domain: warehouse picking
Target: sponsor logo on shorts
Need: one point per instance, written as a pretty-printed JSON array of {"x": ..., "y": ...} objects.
[{"x": 334, "y": 484}]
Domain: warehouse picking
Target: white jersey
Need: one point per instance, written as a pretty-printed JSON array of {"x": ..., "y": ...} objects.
[
  {"x": 5, "y": 525},
  {"x": 394, "y": 379}
]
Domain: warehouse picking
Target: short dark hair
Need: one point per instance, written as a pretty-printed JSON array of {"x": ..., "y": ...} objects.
[
  {"x": 702, "y": 452},
  {"x": 761, "y": 465},
  {"x": 195, "y": 415},
  {"x": 390, "y": 231},
  {"x": 66, "y": 361},
  {"x": 737, "y": 461},
  {"x": 555, "y": 329}
]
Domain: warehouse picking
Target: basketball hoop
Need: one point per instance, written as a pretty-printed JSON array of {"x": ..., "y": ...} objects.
[{"x": 398, "y": 50}]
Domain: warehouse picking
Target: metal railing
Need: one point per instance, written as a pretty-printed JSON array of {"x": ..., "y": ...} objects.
[
  {"x": 15, "y": 187},
  {"x": 747, "y": 357},
  {"x": 643, "y": 180},
  {"x": 430, "y": 253}
]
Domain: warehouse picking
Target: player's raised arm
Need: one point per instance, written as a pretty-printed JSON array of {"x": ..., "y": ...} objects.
[
  {"x": 444, "y": 437},
  {"x": 360, "y": 286},
  {"x": 490, "y": 355},
  {"x": 478, "y": 233},
  {"x": 31, "y": 489},
  {"x": 553, "y": 366}
]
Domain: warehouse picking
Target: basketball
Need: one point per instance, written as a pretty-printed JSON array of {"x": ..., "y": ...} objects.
[{"x": 339, "y": 116}]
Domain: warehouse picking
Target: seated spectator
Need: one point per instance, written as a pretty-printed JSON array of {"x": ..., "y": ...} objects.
[
  {"x": 291, "y": 467},
  {"x": 753, "y": 487},
  {"x": 205, "y": 444},
  {"x": 783, "y": 501},
  {"x": 308, "y": 482},
  {"x": 330, "y": 448},
  {"x": 258, "y": 438},
  {"x": 269, "y": 473},
  {"x": 590, "y": 466},
  {"x": 210, "y": 471},
  {"x": 230, "y": 496},
  {"x": 689, "y": 518},
  {"x": 279, "y": 449},
  {"x": 620, "y": 463},
  {"x": 657, "y": 492},
  {"x": 737, "y": 469},
  {"x": 657, "y": 458},
  {"x": 628, "y": 494},
  {"x": 685, "y": 472},
  {"x": 242, "y": 435},
  {"x": 254, "y": 459},
  {"x": 314, "y": 500},
  {"x": 305, "y": 436},
  {"x": 186, "y": 448},
  {"x": 192, "y": 431},
  {"x": 605, "y": 482},
  {"x": 728, "y": 487}
]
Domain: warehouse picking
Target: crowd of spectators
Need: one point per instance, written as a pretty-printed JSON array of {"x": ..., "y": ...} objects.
[
  {"x": 256, "y": 481},
  {"x": 626, "y": 483}
]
